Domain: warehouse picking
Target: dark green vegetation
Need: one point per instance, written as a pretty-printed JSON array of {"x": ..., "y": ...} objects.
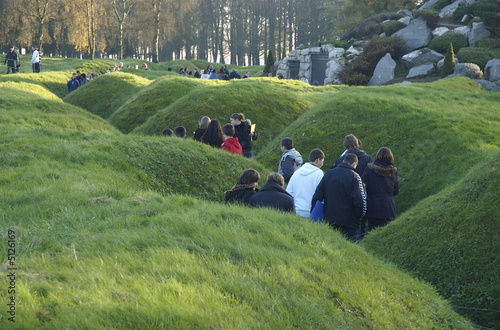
[{"x": 120, "y": 231}]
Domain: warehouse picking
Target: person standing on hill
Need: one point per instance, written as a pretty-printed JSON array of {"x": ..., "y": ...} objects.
[
  {"x": 35, "y": 60},
  {"x": 353, "y": 145},
  {"x": 290, "y": 160},
  {"x": 343, "y": 194},
  {"x": 230, "y": 143},
  {"x": 382, "y": 184},
  {"x": 273, "y": 195},
  {"x": 304, "y": 181},
  {"x": 11, "y": 60},
  {"x": 244, "y": 133}
]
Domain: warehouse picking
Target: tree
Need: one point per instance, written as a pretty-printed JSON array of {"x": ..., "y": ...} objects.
[
  {"x": 269, "y": 63},
  {"x": 449, "y": 62},
  {"x": 122, "y": 9}
]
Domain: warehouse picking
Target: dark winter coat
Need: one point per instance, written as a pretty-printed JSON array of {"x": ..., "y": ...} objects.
[
  {"x": 343, "y": 194},
  {"x": 242, "y": 132},
  {"x": 273, "y": 195},
  {"x": 73, "y": 84},
  {"x": 381, "y": 181},
  {"x": 363, "y": 160},
  {"x": 11, "y": 59},
  {"x": 240, "y": 196},
  {"x": 198, "y": 134}
]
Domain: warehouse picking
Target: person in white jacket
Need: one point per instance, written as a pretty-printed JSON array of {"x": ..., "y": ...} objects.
[
  {"x": 35, "y": 60},
  {"x": 304, "y": 181}
]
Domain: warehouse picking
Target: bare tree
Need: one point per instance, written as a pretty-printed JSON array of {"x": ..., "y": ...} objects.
[{"x": 122, "y": 9}]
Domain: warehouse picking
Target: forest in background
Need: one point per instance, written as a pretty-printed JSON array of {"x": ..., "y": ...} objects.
[{"x": 240, "y": 32}]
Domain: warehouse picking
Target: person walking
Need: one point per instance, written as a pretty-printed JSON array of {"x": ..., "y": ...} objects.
[
  {"x": 344, "y": 196},
  {"x": 290, "y": 160},
  {"x": 382, "y": 184},
  {"x": 304, "y": 181}
]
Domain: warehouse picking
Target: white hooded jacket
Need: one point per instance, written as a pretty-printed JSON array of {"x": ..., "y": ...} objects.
[{"x": 302, "y": 186}]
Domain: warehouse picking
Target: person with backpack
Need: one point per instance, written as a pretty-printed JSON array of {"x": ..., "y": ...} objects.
[{"x": 290, "y": 160}]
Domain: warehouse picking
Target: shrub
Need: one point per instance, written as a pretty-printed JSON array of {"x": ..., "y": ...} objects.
[
  {"x": 269, "y": 63},
  {"x": 477, "y": 55},
  {"x": 370, "y": 26},
  {"x": 478, "y": 8},
  {"x": 449, "y": 62},
  {"x": 470, "y": 70},
  {"x": 440, "y": 4},
  {"x": 441, "y": 44},
  {"x": 488, "y": 43},
  {"x": 391, "y": 27},
  {"x": 430, "y": 16},
  {"x": 492, "y": 21}
]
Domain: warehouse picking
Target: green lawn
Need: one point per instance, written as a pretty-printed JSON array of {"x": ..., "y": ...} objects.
[{"x": 117, "y": 230}]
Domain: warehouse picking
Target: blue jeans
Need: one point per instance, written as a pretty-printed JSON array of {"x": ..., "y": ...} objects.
[{"x": 248, "y": 153}]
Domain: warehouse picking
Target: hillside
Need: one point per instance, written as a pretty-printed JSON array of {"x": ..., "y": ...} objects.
[{"x": 117, "y": 231}]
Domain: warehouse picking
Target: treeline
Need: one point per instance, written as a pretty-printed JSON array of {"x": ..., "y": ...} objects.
[{"x": 239, "y": 31}]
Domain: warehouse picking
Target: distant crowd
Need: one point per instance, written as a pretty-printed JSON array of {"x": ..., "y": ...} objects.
[{"x": 355, "y": 196}]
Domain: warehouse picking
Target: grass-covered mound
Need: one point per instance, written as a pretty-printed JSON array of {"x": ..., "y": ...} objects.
[
  {"x": 55, "y": 82},
  {"x": 27, "y": 105},
  {"x": 158, "y": 95},
  {"x": 268, "y": 104},
  {"x": 105, "y": 94},
  {"x": 435, "y": 130},
  {"x": 452, "y": 241},
  {"x": 177, "y": 262}
]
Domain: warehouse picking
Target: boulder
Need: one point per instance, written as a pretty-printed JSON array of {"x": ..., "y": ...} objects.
[
  {"x": 428, "y": 4},
  {"x": 405, "y": 12},
  {"x": 477, "y": 32},
  {"x": 440, "y": 31},
  {"x": 417, "y": 34},
  {"x": 422, "y": 56},
  {"x": 352, "y": 51},
  {"x": 384, "y": 71},
  {"x": 421, "y": 70},
  {"x": 471, "y": 70},
  {"x": 488, "y": 85},
  {"x": 463, "y": 30},
  {"x": 405, "y": 20},
  {"x": 492, "y": 70},
  {"x": 448, "y": 11}
]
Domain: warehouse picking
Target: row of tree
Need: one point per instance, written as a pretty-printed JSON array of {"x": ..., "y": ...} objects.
[{"x": 239, "y": 31}]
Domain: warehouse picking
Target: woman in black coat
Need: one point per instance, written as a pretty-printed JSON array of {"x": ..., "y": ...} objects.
[
  {"x": 242, "y": 131},
  {"x": 382, "y": 184},
  {"x": 273, "y": 195},
  {"x": 245, "y": 188}
]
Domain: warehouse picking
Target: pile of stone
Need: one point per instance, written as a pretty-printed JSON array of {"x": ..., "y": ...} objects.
[{"x": 422, "y": 61}]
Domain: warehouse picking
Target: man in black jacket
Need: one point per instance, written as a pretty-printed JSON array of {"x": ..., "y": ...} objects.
[
  {"x": 11, "y": 59},
  {"x": 273, "y": 195},
  {"x": 344, "y": 197}
]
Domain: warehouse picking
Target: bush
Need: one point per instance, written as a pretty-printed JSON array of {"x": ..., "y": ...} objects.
[
  {"x": 492, "y": 22},
  {"x": 430, "y": 16},
  {"x": 370, "y": 26},
  {"x": 470, "y": 70},
  {"x": 391, "y": 27},
  {"x": 488, "y": 43},
  {"x": 477, "y": 55},
  {"x": 441, "y": 44},
  {"x": 440, "y": 4},
  {"x": 478, "y": 8},
  {"x": 449, "y": 62}
]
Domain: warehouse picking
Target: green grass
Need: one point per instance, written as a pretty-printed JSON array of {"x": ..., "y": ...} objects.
[
  {"x": 460, "y": 228},
  {"x": 125, "y": 231}
]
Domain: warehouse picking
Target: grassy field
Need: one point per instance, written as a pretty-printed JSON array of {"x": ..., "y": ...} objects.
[{"x": 116, "y": 230}]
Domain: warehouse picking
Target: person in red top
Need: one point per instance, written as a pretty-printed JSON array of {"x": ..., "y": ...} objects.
[{"x": 230, "y": 143}]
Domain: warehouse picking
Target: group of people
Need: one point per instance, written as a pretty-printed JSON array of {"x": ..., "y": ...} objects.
[
  {"x": 356, "y": 195},
  {"x": 79, "y": 79},
  {"x": 13, "y": 60},
  {"x": 210, "y": 73},
  {"x": 235, "y": 136}
]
